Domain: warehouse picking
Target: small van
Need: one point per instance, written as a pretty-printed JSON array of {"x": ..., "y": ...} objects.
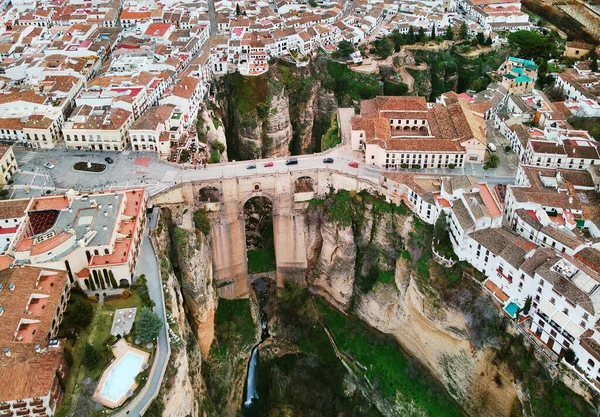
[
  {"x": 492, "y": 147},
  {"x": 292, "y": 161}
]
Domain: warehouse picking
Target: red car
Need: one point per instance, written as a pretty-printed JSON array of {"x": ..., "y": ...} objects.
[
  {"x": 353, "y": 164},
  {"x": 268, "y": 164}
]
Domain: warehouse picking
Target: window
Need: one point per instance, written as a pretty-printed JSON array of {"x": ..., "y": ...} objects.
[
  {"x": 591, "y": 363},
  {"x": 553, "y": 333},
  {"x": 585, "y": 316},
  {"x": 552, "y": 300},
  {"x": 566, "y": 311}
]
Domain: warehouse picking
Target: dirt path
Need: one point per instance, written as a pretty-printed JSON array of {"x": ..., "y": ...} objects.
[{"x": 406, "y": 78}]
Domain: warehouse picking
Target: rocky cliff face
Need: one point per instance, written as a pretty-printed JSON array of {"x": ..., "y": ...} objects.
[
  {"x": 190, "y": 303},
  {"x": 437, "y": 337},
  {"x": 314, "y": 117},
  {"x": 283, "y": 112}
]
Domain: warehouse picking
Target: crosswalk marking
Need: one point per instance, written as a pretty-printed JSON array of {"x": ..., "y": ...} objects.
[
  {"x": 126, "y": 151},
  {"x": 27, "y": 157},
  {"x": 169, "y": 176}
]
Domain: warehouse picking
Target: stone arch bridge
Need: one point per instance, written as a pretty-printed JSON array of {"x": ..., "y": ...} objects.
[{"x": 289, "y": 192}]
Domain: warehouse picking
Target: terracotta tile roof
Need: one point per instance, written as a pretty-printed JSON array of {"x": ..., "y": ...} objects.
[
  {"x": 12, "y": 209},
  {"x": 589, "y": 257},
  {"x": 153, "y": 117}
]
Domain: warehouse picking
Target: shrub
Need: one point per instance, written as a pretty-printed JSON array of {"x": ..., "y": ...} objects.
[
  {"x": 69, "y": 355},
  {"x": 507, "y": 148},
  {"x": 3, "y": 193},
  {"x": 201, "y": 221},
  {"x": 91, "y": 357},
  {"x": 404, "y": 166},
  {"x": 10, "y": 181},
  {"x": 451, "y": 166},
  {"x": 485, "y": 167},
  {"x": 416, "y": 166},
  {"x": 113, "y": 281}
]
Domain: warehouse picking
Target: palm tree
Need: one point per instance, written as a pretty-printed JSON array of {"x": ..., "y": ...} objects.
[{"x": 493, "y": 161}]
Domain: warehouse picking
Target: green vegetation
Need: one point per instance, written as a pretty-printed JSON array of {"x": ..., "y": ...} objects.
[
  {"x": 441, "y": 239},
  {"x": 147, "y": 325},
  {"x": 261, "y": 260},
  {"x": 88, "y": 349},
  {"x": 248, "y": 93},
  {"x": 94, "y": 167},
  {"x": 345, "y": 48},
  {"x": 331, "y": 138},
  {"x": 180, "y": 241},
  {"x": 493, "y": 161},
  {"x": 396, "y": 378},
  {"x": 90, "y": 357},
  {"x": 591, "y": 124},
  {"x": 445, "y": 76},
  {"x": 348, "y": 85},
  {"x": 548, "y": 394},
  {"x": 184, "y": 156},
  {"x": 531, "y": 44},
  {"x": 234, "y": 333},
  {"x": 201, "y": 221},
  {"x": 394, "y": 89}
]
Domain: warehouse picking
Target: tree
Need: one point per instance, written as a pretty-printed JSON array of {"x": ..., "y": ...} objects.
[
  {"x": 383, "y": 48},
  {"x": 345, "y": 48},
  {"x": 593, "y": 57},
  {"x": 527, "y": 305},
  {"x": 147, "y": 325},
  {"x": 433, "y": 33},
  {"x": 237, "y": 9},
  {"x": 80, "y": 313},
  {"x": 480, "y": 38},
  {"x": 421, "y": 35},
  {"x": 488, "y": 41},
  {"x": 411, "y": 35},
  {"x": 464, "y": 31},
  {"x": 90, "y": 357},
  {"x": 112, "y": 279},
  {"x": 493, "y": 161},
  {"x": 449, "y": 33},
  {"x": 530, "y": 44}
]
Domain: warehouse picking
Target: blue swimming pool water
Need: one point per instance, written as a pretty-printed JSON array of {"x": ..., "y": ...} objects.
[
  {"x": 511, "y": 308},
  {"x": 122, "y": 376}
]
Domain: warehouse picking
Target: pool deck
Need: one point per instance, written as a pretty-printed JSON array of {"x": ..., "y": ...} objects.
[{"x": 119, "y": 349}]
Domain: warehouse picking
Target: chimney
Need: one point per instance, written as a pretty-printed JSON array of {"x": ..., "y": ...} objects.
[
  {"x": 37, "y": 348},
  {"x": 570, "y": 200},
  {"x": 7, "y": 352}
]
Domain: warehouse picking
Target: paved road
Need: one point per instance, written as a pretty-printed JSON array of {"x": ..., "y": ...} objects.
[
  {"x": 148, "y": 265},
  {"x": 159, "y": 176}
]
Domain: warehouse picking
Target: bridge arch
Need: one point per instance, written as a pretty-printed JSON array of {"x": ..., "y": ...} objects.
[
  {"x": 304, "y": 184},
  {"x": 209, "y": 194}
]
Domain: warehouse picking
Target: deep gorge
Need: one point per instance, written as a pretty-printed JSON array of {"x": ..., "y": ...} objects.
[{"x": 379, "y": 330}]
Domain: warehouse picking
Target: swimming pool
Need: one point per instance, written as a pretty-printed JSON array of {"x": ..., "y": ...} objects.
[
  {"x": 511, "y": 308},
  {"x": 122, "y": 376}
]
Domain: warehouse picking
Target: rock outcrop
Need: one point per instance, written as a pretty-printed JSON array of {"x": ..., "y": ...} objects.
[{"x": 437, "y": 337}]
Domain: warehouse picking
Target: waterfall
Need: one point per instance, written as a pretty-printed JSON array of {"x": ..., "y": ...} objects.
[{"x": 251, "y": 393}]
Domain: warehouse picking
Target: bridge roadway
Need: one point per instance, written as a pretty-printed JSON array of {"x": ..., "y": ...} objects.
[{"x": 305, "y": 162}]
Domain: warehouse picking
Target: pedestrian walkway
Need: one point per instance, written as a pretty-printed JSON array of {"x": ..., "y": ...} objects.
[
  {"x": 25, "y": 159},
  {"x": 169, "y": 176},
  {"x": 126, "y": 152}
]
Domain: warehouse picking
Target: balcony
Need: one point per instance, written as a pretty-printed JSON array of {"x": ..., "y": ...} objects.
[{"x": 501, "y": 275}]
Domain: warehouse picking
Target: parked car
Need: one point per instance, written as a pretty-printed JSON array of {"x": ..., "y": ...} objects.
[
  {"x": 292, "y": 161},
  {"x": 328, "y": 160},
  {"x": 353, "y": 164},
  {"x": 251, "y": 166},
  {"x": 49, "y": 165},
  {"x": 268, "y": 164},
  {"x": 109, "y": 159},
  {"x": 492, "y": 147}
]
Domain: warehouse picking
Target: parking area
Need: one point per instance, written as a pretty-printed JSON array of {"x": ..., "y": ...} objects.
[{"x": 34, "y": 176}]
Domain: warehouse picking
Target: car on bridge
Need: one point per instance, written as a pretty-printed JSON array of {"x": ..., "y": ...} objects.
[
  {"x": 353, "y": 164},
  {"x": 328, "y": 160},
  {"x": 268, "y": 164},
  {"x": 251, "y": 166}
]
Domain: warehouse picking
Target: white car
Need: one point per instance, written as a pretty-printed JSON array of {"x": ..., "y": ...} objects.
[
  {"x": 492, "y": 147},
  {"x": 49, "y": 165}
]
